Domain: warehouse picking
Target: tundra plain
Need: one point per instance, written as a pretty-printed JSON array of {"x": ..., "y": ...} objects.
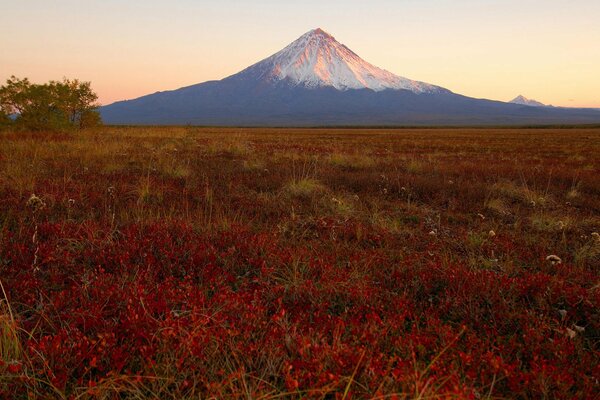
[{"x": 183, "y": 262}]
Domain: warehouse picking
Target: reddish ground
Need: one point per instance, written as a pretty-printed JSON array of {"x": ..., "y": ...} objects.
[{"x": 272, "y": 263}]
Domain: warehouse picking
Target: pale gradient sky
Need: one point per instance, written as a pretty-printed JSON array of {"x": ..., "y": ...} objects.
[{"x": 548, "y": 50}]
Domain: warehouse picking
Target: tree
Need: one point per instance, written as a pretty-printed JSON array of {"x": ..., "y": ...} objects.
[
  {"x": 5, "y": 121},
  {"x": 52, "y": 106},
  {"x": 13, "y": 95},
  {"x": 76, "y": 100}
]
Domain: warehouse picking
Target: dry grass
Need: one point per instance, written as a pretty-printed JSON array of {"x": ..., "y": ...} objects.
[
  {"x": 416, "y": 198},
  {"x": 10, "y": 344},
  {"x": 539, "y": 180}
]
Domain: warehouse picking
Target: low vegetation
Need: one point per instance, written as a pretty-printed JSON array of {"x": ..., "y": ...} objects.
[{"x": 278, "y": 263}]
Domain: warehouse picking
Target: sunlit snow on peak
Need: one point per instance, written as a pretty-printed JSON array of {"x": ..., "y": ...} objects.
[{"x": 316, "y": 59}]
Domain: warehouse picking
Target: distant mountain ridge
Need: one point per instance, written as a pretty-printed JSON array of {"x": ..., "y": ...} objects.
[{"x": 317, "y": 81}]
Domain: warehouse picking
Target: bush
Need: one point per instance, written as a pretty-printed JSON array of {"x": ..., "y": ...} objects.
[
  {"x": 90, "y": 119},
  {"x": 55, "y": 106}
]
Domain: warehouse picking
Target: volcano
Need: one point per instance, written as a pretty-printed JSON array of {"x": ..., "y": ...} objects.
[{"x": 317, "y": 81}]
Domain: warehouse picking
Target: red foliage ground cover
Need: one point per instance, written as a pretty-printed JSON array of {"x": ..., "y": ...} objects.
[{"x": 310, "y": 305}]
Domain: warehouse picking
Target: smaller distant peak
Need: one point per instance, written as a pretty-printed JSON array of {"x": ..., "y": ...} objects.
[{"x": 522, "y": 100}]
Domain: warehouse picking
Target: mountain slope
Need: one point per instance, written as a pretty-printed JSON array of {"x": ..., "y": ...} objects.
[{"x": 318, "y": 81}]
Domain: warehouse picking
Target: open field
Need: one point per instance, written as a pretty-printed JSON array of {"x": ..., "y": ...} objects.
[{"x": 278, "y": 263}]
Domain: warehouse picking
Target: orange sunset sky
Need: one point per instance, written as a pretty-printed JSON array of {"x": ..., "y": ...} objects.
[{"x": 546, "y": 50}]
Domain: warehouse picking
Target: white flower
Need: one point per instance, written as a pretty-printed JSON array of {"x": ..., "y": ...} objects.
[{"x": 554, "y": 259}]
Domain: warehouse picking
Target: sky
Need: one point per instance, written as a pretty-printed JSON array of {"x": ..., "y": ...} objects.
[{"x": 548, "y": 50}]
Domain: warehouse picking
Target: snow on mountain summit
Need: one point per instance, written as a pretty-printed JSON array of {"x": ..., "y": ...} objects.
[
  {"x": 316, "y": 59},
  {"x": 524, "y": 101}
]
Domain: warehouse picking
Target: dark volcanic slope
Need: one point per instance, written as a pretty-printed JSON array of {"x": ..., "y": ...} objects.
[{"x": 228, "y": 102}]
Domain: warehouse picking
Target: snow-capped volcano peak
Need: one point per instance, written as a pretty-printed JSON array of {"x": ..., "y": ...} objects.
[{"x": 316, "y": 59}]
